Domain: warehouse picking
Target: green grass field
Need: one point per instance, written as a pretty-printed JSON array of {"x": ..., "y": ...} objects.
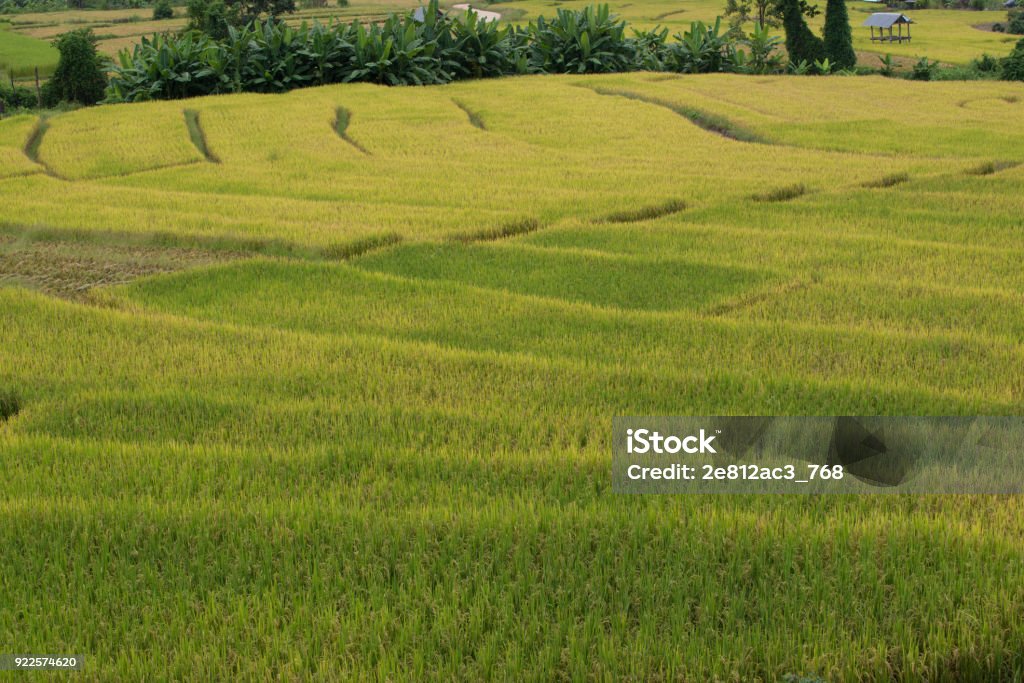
[
  {"x": 21, "y": 55},
  {"x": 300, "y": 405}
]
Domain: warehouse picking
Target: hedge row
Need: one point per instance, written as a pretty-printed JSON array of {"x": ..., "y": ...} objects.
[{"x": 270, "y": 56}]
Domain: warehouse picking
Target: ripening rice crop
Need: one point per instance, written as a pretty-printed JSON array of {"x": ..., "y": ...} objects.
[
  {"x": 15, "y": 133},
  {"x": 373, "y": 440}
]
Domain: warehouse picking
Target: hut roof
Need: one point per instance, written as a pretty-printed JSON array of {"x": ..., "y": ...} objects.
[{"x": 886, "y": 19}]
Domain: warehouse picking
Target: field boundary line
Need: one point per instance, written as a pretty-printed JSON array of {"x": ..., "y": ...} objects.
[
  {"x": 735, "y": 304},
  {"x": 499, "y": 232},
  {"x": 475, "y": 119},
  {"x": 342, "y": 119},
  {"x": 198, "y": 136},
  {"x": 705, "y": 120},
  {"x": 32, "y": 144}
]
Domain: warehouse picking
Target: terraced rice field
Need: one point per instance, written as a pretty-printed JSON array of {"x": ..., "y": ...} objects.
[{"x": 361, "y": 427}]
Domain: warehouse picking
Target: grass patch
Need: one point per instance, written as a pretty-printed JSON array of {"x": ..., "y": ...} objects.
[
  {"x": 35, "y": 139},
  {"x": 781, "y": 194},
  {"x": 607, "y": 280},
  {"x": 20, "y": 55},
  {"x": 474, "y": 118},
  {"x": 362, "y": 246},
  {"x": 503, "y": 231},
  {"x": 709, "y": 121},
  {"x": 10, "y": 405},
  {"x": 342, "y": 119},
  {"x": 195, "y": 133},
  {"x": 990, "y": 167},
  {"x": 887, "y": 181},
  {"x": 665, "y": 15},
  {"x": 646, "y": 213}
]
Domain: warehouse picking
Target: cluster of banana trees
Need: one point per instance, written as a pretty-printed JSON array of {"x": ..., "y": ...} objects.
[{"x": 271, "y": 56}]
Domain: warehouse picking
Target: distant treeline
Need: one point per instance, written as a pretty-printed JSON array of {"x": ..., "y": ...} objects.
[{"x": 270, "y": 56}]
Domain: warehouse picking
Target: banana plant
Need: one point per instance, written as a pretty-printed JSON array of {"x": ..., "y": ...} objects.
[
  {"x": 761, "y": 46},
  {"x": 700, "y": 50},
  {"x": 591, "y": 40},
  {"x": 482, "y": 49}
]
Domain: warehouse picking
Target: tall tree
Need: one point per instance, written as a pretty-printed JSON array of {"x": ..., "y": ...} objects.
[
  {"x": 81, "y": 72},
  {"x": 838, "y": 36},
  {"x": 801, "y": 44},
  {"x": 764, "y": 12}
]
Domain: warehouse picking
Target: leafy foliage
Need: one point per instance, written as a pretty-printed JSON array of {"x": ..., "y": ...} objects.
[
  {"x": 482, "y": 49},
  {"x": 763, "y": 12},
  {"x": 1015, "y": 22},
  {"x": 762, "y": 46},
  {"x": 163, "y": 10},
  {"x": 80, "y": 73},
  {"x": 269, "y": 56},
  {"x": 838, "y": 36},
  {"x": 591, "y": 40},
  {"x": 211, "y": 17},
  {"x": 888, "y": 65},
  {"x": 924, "y": 70},
  {"x": 1013, "y": 66},
  {"x": 702, "y": 49},
  {"x": 17, "y": 98},
  {"x": 801, "y": 44}
]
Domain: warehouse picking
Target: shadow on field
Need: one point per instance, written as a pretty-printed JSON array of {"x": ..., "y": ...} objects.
[{"x": 10, "y": 405}]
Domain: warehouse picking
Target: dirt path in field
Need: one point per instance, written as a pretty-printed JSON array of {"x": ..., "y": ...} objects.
[{"x": 482, "y": 13}]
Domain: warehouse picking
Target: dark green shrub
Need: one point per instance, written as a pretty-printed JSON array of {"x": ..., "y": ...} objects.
[
  {"x": 9, "y": 405},
  {"x": 591, "y": 40},
  {"x": 247, "y": 11},
  {"x": 482, "y": 49},
  {"x": 986, "y": 64},
  {"x": 211, "y": 17},
  {"x": 801, "y": 44},
  {"x": 838, "y": 36},
  {"x": 998, "y": 27},
  {"x": 923, "y": 70},
  {"x": 651, "y": 48},
  {"x": 1013, "y": 66},
  {"x": 18, "y": 98},
  {"x": 1015, "y": 22},
  {"x": 163, "y": 10},
  {"x": 80, "y": 75}
]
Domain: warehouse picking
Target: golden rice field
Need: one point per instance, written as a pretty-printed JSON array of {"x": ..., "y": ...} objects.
[{"x": 321, "y": 385}]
